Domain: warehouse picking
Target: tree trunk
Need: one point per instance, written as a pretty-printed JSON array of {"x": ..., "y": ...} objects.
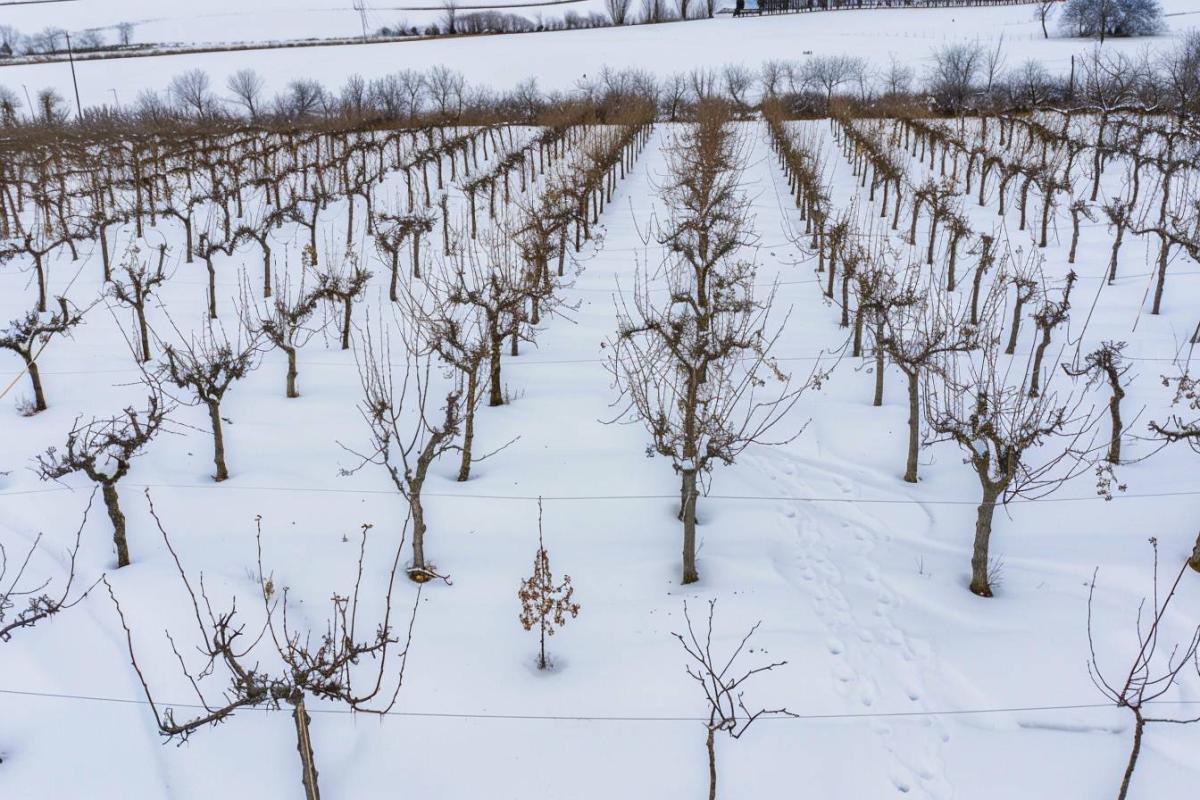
[
  {"x": 1047, "y": 204},
  {"x": 104, "y": 252},
  {"x": 416, "y": 255},
  {"x": 143, "y": 330},
  {"x": 41, "y": 282},
  {"x": 983, "y": 535},
  {"x": 879, "y": 353},
  {"x": 952, "y": 263},
  {"x": 1074, "y": 237},
  {"x": 1035, "y": 379},
  {"x": 395, "y": 275},
  {"x": 118, "y": 521},
  {"x": 464, "y": 470},
  {"x": 417, "y": 571},
  {"x": 1116, "y": 247},
  {"x": 914, "y": 424},
  {"x": 349, "y": 303},
  {"x": 212, "y": 288},
  {"x": 1161, "y": 281},
  {"x": 292, "y": 372},
  {"x": 833, "y": 245},
  {"x": 858, "y": 331},
  {"x": 1139, "y": 727},
  {"x": 710, "y": 744},
  {"x": 1024, "y": 204},
  {"x": 1016, "y": 326},
  {"x": 689, "y": 525},
  {"x": 845, "y": 321},
  {"x": 495, "y": 397},
  {"x": 214, "y": 415},
  {"x": 445, "y": 226},
  {"x": 933, "y": 223},
  {"x": 39, "y": 396},
  {"x": 266, "y": 269},
  {"x": 308, "y": 764}
]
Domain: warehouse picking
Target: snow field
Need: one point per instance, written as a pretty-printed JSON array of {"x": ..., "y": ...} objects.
[
  {"x": 559, "y": 59},
  {"x": 864, "y": 597}
]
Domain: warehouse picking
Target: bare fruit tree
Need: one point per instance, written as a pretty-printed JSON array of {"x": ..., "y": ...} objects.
[
  {"x": 722, "y": 678},
  {"x": 276, "y": 663},
  {"x": 283, "y": 321},
  {"x": 1154, "y": 670},
  {"x": 458, "y": 330},
  {"x": 691, "y": 356},
  {"x": 407, "y": 434},
  {"x": 133, "y": 286},
  {"x": 545, "y": 605},
  {"x": 1018, "y": 446},
  {"x": 1183, "y": 427},
  {"x": 1106, "y": 364},
  {"x": 342, "y": 282},
  {"x": 489, "y": 277},
  {"x": 918, "y": 337},
  {"x": 1050, "y": 315},
  {"x": 37, "y": 602},
  {"x": 29, "y": 335},
  {"x": 392, "y": 233},
  {"x": 103, "y": 450},
  {"x": 206, "y": 366}
]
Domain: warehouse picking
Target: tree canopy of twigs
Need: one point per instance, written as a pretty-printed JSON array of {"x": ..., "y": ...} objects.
[
  {"x": 1155, "y": 669},
  {"x": 33, "y": 599},
  {"x": 722, "y": 679},
  {"x": 407, "y": 432},
  {"x": 1017, "y": 445},
  {"x": 269, "y": 662},
  {"x": 103, "y": 450},
  {"x": 691, "y": 355}
]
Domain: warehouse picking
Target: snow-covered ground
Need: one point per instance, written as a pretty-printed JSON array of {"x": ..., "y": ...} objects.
[
  {"x": 859, "y": 578},
  {"x": 226, "y": 21},
  {"x": 559, "y": 59}
]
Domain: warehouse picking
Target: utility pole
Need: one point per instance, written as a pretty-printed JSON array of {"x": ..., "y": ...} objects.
[
  {"x": 74, "y": 82},
  {"x": 29, "y": 101}
]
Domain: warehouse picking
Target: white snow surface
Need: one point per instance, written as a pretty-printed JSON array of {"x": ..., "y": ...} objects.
[
  {"x": 559, "y": 59},
  {"x": 860, "y": 581},
  {"x": 859, "y": 578},
  {"x": 229, "y": 21}
]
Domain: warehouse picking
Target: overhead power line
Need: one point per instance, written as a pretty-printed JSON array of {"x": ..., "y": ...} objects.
[
  {"x": 483, "y": 715},
  {"x": 579, "y": 498}
]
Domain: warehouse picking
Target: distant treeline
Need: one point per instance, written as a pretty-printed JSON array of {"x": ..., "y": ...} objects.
[{"x": 960, "y": 79}]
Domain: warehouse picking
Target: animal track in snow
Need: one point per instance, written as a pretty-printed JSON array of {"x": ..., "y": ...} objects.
[{"x": 873, "y": 664}]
